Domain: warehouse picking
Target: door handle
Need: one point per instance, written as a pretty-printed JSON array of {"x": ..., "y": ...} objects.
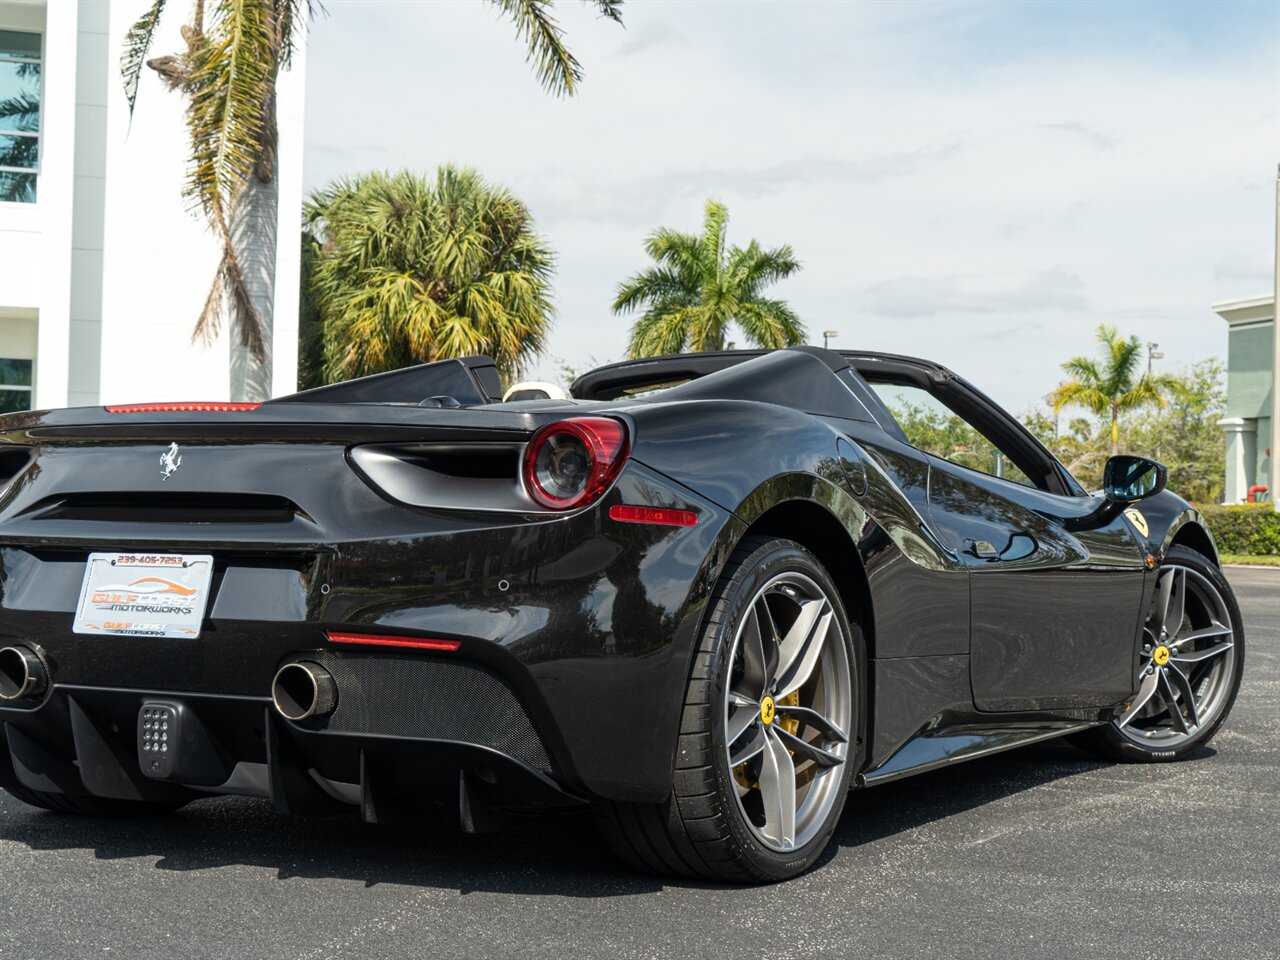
[{"x": 982, "y": 549}]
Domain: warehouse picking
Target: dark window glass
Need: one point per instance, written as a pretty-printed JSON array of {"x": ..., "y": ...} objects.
[
  {"x": 19, "y": 85},
  {"x": 19, "y": 115},
  {"x": 17, "y": 187},
  {"x": 935, "y": 428},
  {"x": 18, "y": 43},
  {"x": 13, "y": 401},
  {"x": 15, "y": 373}
]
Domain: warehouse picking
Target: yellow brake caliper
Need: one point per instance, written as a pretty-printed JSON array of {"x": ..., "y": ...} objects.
[{"x": 792, "y": 727}]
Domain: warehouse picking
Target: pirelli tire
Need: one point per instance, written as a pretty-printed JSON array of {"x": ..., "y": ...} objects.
[
  {"x": 1190, "y": 667},
  {"x": 769, "y": 731}
]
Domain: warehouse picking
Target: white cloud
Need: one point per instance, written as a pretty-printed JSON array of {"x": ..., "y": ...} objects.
[
  {"x": 915, "y": 297},
  {"x": 942, "y": 171}
]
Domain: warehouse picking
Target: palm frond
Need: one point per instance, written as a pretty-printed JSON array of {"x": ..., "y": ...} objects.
[
  {"x": 653, "y": 285},
  {"x": 22, "y": 111},
  {"x": 556, "y": 68},
  {"x": 422, "y": 269},
  {"x": 699, "y": 287},
  {"x": 1125, "y": 356},
  {"x": 715, "y": 225},
  {"x": 1076, "y": 393},
  {"x": 663, "y": 331},
  {"x": 770, "y": 324},
  {"x": 763, "y": 268},
  {"x": 1085, "y": 371},
  {"x": 231, "y": 70},
  {"x": 137, "y": 43},
  {"x": 681, "y": 251},
  {"x": 293, "y": 18},
  {"x": 229, "y": 87},
  {"x": 609, "y": 9}
]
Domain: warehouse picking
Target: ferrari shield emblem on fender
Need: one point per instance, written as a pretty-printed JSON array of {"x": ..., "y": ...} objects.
[{"x": 1139, "y": 521}]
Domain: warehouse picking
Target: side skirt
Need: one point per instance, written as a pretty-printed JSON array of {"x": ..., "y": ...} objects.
[{"x": 948, "y": 745}]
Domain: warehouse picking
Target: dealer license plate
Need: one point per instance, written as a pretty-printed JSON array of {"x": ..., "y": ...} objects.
[{"x": 144, "y": 595}]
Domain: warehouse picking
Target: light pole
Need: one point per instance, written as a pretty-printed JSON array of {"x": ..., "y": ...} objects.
[
  {"x": 827, "y": 336},
  {"x": 1274, "y": 479},
  {"x": 1152, "y": 354}
]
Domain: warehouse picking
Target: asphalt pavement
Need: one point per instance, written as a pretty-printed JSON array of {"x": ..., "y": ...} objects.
[{"x": 1039, "y": 853}]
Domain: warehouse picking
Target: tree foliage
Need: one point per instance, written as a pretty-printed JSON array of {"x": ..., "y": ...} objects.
[
  {"x": 946, "y": 435},
  {"x": 700, "y": 286},
  {"x": 1183, "y": 435},
  {"x": 1113, "y": 386},
  {"x": 410, "y": 270},
  {"x": 234, "y": 52}
]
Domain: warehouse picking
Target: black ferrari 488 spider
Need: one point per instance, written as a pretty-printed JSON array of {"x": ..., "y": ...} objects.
[{"x": 706, "y": 595}]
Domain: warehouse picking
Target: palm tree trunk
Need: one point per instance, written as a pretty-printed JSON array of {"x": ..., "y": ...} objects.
[
  {"x": 255, "y": 223},
  {"x": 254, "y": 226},
  {"x": 1115, "y": 430}
]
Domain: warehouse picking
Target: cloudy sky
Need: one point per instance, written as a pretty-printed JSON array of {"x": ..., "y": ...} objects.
[{"x": 978, "y": 183}]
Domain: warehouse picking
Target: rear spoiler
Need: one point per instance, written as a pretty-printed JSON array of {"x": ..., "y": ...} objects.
[{"x": 470, "y": 381}]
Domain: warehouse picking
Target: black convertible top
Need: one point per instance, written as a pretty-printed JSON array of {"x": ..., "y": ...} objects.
[
  {"x": 791, "y": 377},
  {"x": 616, "y": 380}
]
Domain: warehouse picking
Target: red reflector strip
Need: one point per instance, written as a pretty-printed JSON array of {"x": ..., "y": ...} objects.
[
  {"x": 373, "y": 640},
  {"x": 212, "y": 406},
  {"x": 658, "y": 515}
]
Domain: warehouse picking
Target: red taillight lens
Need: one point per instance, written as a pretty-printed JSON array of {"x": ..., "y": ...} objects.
[
  {"x": 196, "y": 406},
  {"x": 377, "y": 640},
  {"x": 625, "y": 513},
  {"x": 572, "y": 463}
]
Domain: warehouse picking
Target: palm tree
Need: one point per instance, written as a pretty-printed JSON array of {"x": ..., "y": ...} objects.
[
  {"x": 1116, "y": 385},
  {"x": 234, "y": 53},
  {"x": 699, "y": 287},
  {"x": 409, "y": 270}
]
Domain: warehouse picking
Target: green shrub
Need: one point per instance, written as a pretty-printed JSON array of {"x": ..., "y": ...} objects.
[{"x": 1244, "y": 528}]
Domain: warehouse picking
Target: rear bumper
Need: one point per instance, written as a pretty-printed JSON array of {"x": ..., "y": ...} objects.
[
  {"x": 82, "y": 742},
  {"x": 583, "y": 625}
]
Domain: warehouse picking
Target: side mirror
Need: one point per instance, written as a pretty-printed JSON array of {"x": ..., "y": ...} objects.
[
  {"x": 1124, "y": 481},
  {"x": 1127, "y": 479}
]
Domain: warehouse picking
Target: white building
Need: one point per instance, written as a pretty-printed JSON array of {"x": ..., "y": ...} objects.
[{"x": 103, "y": 267}]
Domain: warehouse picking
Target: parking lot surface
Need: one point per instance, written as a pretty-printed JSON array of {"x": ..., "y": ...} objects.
[{"x": 1043, "y": 852}]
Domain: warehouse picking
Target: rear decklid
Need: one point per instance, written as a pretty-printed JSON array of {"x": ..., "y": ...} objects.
[{"x": 282, "y": 472}]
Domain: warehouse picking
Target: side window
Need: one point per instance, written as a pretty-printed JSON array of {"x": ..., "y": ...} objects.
[
  {"x": 932, "y": 426},
  {"x": 19, "y": 115}
]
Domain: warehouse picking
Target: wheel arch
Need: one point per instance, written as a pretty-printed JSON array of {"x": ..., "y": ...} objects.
[
  {"x": 819, "y": 531},
  {"x": 1196, "y": 536}
]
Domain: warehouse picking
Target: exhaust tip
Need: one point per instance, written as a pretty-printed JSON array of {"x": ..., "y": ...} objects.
[
  {"x": 22, "y": 674},
  {"x": 303, "y": 691}
]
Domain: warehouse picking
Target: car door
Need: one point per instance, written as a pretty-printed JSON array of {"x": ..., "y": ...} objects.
[{"x": 1055, "y": 613}]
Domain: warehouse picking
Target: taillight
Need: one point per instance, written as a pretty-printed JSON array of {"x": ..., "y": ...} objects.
[
  {"x": 572, "y": 463},
  {"x": 378, "y": 640},
  {"x": 196, "y": 406}
]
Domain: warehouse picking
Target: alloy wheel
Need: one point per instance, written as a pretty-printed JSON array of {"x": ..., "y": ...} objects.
[
  {"x": 788, "y": 711},
  {"x": 1188, "y": 656}
]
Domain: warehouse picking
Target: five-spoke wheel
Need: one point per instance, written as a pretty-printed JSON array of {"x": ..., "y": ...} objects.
[
  {"x": 1188, "y": 652},
  {"x": 1189, "y": 668},
  {"x": 787, "y": 710}
]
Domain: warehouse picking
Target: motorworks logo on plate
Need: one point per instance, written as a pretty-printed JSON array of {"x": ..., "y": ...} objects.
[{"x": 144, "y": 595}]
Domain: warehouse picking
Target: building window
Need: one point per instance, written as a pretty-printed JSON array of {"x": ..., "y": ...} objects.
[
  {"x": 15, "y": 385},
  {"x": 19, "y": 115}
]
